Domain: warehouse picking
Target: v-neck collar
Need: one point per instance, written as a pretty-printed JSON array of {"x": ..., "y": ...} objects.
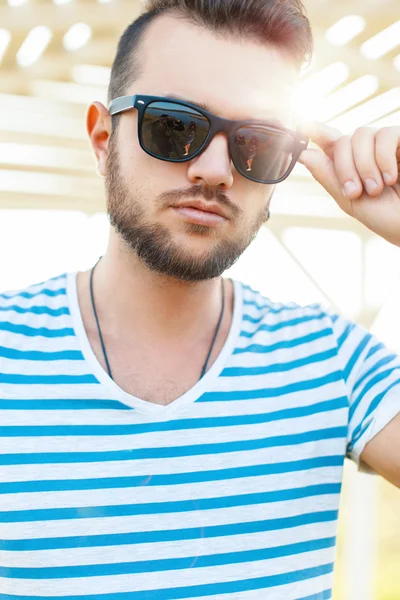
[{"x": 143, "y": 406}]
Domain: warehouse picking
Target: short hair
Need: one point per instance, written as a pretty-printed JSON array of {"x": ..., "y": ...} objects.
[{"x": 280, "y": 23}]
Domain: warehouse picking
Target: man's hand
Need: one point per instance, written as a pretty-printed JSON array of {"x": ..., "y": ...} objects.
[{"x": 361, "y": 172}]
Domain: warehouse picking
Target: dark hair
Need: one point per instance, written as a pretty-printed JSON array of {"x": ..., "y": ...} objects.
[{"x": 281, "y": 23}]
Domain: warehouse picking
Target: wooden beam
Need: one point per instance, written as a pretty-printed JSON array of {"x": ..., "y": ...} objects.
[
  {"x": 359, "y": 65},
  {"x": 40, "y": 106},
  {"x": 57, "y": 63},
  {"x": 15, "y": 137},
  {"x": 117, "y": 15},
  {"x": 74, "y": 93},
  {"x": 19, "y": 201},
  {"x": 49, "y": 184},
  {"x": 326, "y": 12},
  {"x": 112, "y": 16},
  {"x": 50, "y": 159},
  {"x": 50, "y": 125}
]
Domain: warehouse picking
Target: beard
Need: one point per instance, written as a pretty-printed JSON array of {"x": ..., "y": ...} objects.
[{"x": 153, "y": 243}]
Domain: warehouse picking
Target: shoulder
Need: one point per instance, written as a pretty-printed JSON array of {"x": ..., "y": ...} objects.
[
  {"x": 276, "y": 322},
  {"x": 33, "y": 310},
  {"x": 34, "y": 294},
  {"x": 258, "y": 308}
]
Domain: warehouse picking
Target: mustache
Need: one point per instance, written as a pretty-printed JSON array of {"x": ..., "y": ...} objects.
[{"x": 197, "y": 191}]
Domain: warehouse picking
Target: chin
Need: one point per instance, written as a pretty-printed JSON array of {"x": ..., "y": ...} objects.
[{"x": 197, "y": 241}]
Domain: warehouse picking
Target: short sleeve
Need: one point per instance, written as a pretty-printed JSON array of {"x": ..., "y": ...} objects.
[{"x": 372, "y": 377}]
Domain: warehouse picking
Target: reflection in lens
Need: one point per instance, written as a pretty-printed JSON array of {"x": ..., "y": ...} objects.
[
  {"x": 262, "y": 153},
  {"x": 173, "y": 131}
]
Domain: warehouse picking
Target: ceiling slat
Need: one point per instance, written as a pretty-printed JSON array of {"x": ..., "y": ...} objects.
[
  {"x": 43, "y": 110},
  {"x": 48, "y": 184},
  {"x": 112, "y": 16},
  {"x": 50, "y": 158}
]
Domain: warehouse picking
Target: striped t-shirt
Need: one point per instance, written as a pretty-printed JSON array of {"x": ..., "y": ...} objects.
[{"x": 229, "y": 493}]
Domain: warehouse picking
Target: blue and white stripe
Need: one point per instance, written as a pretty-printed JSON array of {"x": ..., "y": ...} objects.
[{"x": 231, "y": 492}]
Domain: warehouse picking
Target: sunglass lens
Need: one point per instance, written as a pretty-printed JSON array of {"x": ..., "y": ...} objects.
[
  {"x": 261, "y": 153},
  {"x": 173, "y": 131}
]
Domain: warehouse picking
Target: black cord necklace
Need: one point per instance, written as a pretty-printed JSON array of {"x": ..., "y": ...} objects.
[{"x": 204, "y": 369}]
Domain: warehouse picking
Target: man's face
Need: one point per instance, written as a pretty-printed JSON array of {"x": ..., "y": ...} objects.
[{"x": 236, "y": 80}]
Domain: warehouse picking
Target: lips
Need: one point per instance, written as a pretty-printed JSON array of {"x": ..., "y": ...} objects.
[{"x": 206, "y": 207}]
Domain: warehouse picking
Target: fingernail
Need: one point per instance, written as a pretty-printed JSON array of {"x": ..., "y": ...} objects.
[
  {"x": 387, "y": 178},
  {"x": 371, "y": 186},
  {"x": 349, "y": 188}
]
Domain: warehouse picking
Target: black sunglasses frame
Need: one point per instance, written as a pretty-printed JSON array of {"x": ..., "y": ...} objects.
[{"x": 217, "y": 125}]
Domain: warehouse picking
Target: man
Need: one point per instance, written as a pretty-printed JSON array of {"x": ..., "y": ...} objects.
[
  {"x": 191, "y": 131},
  {"x": 253, "y": 146},
  {"x": 168, "y": 433}
]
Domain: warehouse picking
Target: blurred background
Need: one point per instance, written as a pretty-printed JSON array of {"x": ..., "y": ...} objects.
[{"x": 55, "y": 58}]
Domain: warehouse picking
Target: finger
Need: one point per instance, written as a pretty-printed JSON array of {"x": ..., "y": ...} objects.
[
  {"x": 323, "y": 170},
  {"x": 363, "y": 142},
  {"x": 387, "y": 148},
  {"x": 346, "y": 170},
  {"x": 322, "y": 135}
]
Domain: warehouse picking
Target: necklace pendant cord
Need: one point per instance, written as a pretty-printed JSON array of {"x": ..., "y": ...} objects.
[
  {"x": 97, "y": 320},
  {"x": 204, "y": 369}
]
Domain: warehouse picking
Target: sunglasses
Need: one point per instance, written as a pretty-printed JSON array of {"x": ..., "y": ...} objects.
[{"x": 178, "y": 131}]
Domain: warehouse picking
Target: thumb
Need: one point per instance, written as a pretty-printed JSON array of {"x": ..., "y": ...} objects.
[{"x": 322, "y": 169}]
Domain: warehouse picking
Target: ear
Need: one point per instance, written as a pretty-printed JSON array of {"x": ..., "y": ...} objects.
[{"x": 98, "y": 125}]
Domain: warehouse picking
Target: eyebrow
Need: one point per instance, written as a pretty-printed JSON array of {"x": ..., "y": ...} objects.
[{"x": 270, "y": 121}]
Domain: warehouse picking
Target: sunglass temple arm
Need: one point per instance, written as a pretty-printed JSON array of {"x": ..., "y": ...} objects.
[{"x": 120, "y": 104}]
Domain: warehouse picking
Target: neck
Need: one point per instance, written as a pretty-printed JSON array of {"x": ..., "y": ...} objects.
[{"x": 130, "y": 298}]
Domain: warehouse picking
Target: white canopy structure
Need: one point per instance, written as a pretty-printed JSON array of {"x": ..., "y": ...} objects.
[{"x": 55, "y": 59}]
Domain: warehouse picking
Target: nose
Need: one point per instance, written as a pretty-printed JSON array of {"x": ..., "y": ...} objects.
[{"x": 213, "y": 167}]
